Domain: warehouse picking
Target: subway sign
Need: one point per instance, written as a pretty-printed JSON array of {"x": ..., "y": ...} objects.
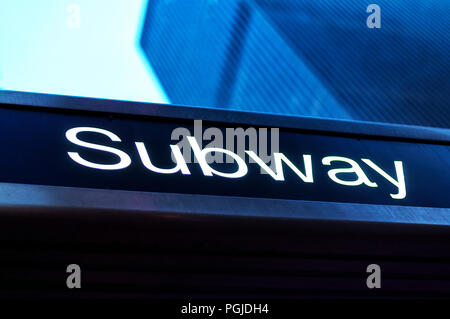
[{"x": 151, "y": 154}]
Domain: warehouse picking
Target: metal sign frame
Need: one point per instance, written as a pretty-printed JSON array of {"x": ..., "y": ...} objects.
[{"x": 16, "y": 198}]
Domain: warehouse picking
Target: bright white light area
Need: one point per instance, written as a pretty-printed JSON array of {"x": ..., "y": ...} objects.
[{"x": 45, "y": 48}]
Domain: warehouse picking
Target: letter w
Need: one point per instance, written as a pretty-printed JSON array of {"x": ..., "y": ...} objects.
[{"x": 279, "y": 158}]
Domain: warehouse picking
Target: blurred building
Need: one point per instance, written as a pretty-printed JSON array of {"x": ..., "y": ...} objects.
[{"x": 310, "y": 57}]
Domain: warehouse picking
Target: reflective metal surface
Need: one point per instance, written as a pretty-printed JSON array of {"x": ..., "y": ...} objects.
[{"x": 30, "y": 199}]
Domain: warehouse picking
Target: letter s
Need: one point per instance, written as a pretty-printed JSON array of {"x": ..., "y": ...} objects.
[{"x": 71, "y": 135}]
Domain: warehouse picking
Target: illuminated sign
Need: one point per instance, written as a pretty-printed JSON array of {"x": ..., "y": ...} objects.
[
  {"x": 277, "y": 174},
  {"x": 94, "y": 150}
]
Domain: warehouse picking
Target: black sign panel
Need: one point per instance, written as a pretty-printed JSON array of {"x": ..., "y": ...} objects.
[{"x": 92, "y": 150}]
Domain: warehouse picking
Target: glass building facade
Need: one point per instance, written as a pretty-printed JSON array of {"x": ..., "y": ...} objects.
[{"x": 310, "y": 58}]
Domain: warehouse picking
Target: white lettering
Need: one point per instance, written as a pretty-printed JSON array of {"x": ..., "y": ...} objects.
[
  {"x": 278, "y": 175},
  {"x": 176, "y": 152},
  {"x": 71, "y": 135},
  {"x": 399, "y": 183},
  {"x": 200, "y": 155},
  {"x": 356, "y": 169}
]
